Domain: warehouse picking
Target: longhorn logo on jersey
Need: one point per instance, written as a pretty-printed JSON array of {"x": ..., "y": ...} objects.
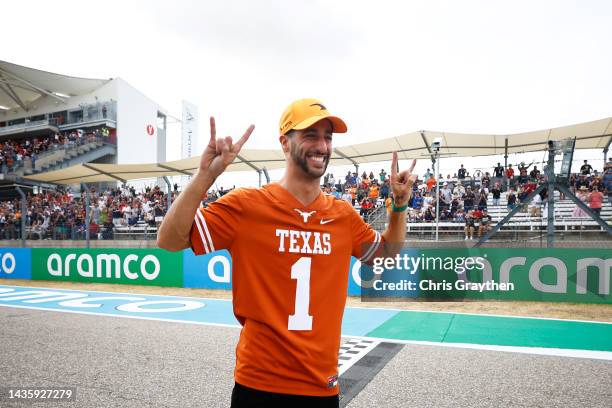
[{"x": 305, "y": 215}]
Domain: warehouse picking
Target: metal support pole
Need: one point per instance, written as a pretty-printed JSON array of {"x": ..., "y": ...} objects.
[
  {"x": 506, "y": 164},
  {"x": 24, "y": 214},
  {"x": 85, "y": 188},
  {"x": 259, "y": 174},
  {"x": 506, "y": 153},
  {"x": 437, "y": 171},
  {"x": 550, "y": 181},
  {"x": 169, "y": 204}
]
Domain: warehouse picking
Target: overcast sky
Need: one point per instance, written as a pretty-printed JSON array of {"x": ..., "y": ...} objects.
[{"x": 386, "y": 67}]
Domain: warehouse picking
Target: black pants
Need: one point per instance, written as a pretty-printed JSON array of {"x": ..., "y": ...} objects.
[{"x": 245, "y": 397}]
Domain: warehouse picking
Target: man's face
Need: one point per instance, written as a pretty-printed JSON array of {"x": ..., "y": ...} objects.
[{"x": 311, "y": 148}]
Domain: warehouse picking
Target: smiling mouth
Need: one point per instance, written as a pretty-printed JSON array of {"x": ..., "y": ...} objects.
[{"x": 317, "y": 158}]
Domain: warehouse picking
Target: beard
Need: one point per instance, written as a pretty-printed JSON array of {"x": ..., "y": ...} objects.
[{"x": 300, "y": 158}]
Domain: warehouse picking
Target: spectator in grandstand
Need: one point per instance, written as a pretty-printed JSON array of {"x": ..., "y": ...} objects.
[
  {"x": 482, "y": 199},
  {"x": 523, "y": 175},
  {"x": 581, "y": 182},
  {"x": 486, "y": 182},
  {"x": 352, "y": 190},
  {"x": 384, "y": 189},
  {"x": 451, "y": 183},
  {"x": 429, "y": 215},
  {"x": 431, "y": 182},
  {"x": 364, "y": 207},
  {"x": 458, "y": 216},
  {"x": 461, "y": 173},
  {"x": 485, "y": 223},
  {"x": 535, "y": 206},
  {"x": 607, "y": 182},
  {"x": 455, "y": 205},
  {"x": 417, "y": 201},
  {"x": 596, "y": 182},
  {"x": 428, "y": 201},
  {"x": 459, "y": 190},
  {"x": 530, "y": 186},
  {"x": 382, "y": 175},
  {"x": 496, "y": 193},
  {"x": 373, "y": 192},
  {"x": 583, "y": 195},
  {"x": 346, "y": 196},
  {"x": 427, "y": 174},
  {"x": 511, "y": 197},
  {"x": 510, "y": 175},
  {"x": 332, "y": 180},
  {"x": 586, "y": 168},
  {"x": 444, "y": 215},
  {"x": 595, "y": 200},
  {"x": 498, "y": 173},
  {"x": 477, "y": 180},
  {"x": 468, "y": 199},
  {"x": 535, "y": 173},
  {"x": 336, "y": 193},
  {"x": 469, "y": 225},
  {"x": 446, "y": 196}
]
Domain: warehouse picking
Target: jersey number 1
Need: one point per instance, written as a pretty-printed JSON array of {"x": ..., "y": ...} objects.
[{"x": 300, "y": 271}]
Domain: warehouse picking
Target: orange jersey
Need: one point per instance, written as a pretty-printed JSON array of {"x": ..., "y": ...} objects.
[{"x": 289, "y": 282}]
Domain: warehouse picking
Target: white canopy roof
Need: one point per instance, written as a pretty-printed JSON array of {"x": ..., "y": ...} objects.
[
  {"x": 20, "y": 86},
  {"x": 589, "y": 135}
]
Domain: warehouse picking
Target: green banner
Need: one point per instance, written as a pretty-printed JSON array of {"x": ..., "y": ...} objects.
[
  {"x": 532, "y": 274},
  {"x": 154, "y": 267}
]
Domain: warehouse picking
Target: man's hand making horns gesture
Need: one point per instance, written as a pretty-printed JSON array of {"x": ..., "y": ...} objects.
[
  {"x": 401, "y": 182},
  {"x": 221, "y": 152}
]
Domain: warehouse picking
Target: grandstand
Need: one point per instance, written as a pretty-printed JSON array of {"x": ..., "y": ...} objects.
[
  {"x": 50, "y": 121},
  {"x": 57, "y": 130}
]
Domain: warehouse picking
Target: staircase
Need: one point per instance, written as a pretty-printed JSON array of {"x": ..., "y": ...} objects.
[{"x": 66, "y": 157}]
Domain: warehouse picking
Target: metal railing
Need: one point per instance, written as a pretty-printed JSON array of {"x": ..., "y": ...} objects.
[
  {"x": 12, "y": 128},
  {"x": 77, "y": 232}
]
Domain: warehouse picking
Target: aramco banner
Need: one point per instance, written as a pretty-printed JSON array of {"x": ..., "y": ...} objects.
[
  {"x": 154, "y": 267},
  {"x": 532, "y": 274}
]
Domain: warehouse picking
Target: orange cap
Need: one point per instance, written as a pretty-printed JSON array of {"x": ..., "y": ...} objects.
[{"x": 305, "y": 112}]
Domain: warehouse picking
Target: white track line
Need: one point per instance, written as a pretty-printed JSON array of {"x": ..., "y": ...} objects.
[{"x": 350, "y": 307}]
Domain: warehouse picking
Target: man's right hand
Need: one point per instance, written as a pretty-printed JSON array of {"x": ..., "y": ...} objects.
[{"x": 220, "y": 153}]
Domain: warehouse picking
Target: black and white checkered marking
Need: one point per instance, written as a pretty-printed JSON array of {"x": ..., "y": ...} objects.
[{"x": 352, "y": 351}]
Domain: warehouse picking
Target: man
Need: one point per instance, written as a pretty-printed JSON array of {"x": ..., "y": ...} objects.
[
  {"x": 446, "y": 195},
  {"x": 469, "y": 225},
  {"x": 291, "y": 247},
  {"x": 461, "y": 173},
  {"x": 496, "y": 192},
  {"x": 607, "y": 182},
  {"x": 498, "y": 171},
  {"x": 586, "y": 168},
  {"x": 468, "y": 199},
  {"x": 485, "y": 223}
]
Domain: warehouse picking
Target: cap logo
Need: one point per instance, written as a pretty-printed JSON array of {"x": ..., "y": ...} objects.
[{"x": 319, "y": 105}]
